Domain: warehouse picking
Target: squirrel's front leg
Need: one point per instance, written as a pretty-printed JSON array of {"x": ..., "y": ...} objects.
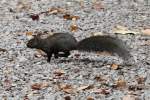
[{"x": 49, "y": 55}]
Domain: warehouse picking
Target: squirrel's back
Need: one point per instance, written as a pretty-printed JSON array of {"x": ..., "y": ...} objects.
[{"x": 62, "y": 41}]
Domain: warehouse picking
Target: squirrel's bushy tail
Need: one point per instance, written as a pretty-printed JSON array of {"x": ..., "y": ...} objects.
[{"x": 105, "y": 43}]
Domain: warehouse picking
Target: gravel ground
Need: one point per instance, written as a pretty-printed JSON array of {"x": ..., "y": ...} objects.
[{"x": 87, "y": 76}]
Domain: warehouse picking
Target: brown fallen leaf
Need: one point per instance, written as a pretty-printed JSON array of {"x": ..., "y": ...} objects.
[
  {"x": 39, "y": 86},
  {"x": 97, "y": 5},
  {"x": 129, "y": 97},
  {"x": 67, "y": 98},
  {"x": 40, "y": 53},
  {"x": 29, "y": 33},
  {"x": 97, "y": 34},
  {"x": 4, "y": 97},
  {"x": 90, "y": 98},
  {"x": 66, "y": 88},
  {"x": 3, "y": 50},
  {"x": 121, "y": 84},
  {"x": 75, "y": 17},
  {"x": 86, "y": 87},
  {"x": 23, "y": 5},
  {"x": 26, "y": 98},
  {"x": 67, "y": 17},
  {"x": 7, "y": 84},
  {"x": 114, "y": 66},
  {"x": 102, "y": 91},
  {"x": 56, "y": 10},
  {"x": 59, "y": 72},
  {"x": 81, "y": 3},
  {"x": 37, "y": 55},
  {"x": 147, "y": 42},
  {"x": 123, "y": 30},
  {"x": 104, "y": 53},
  {"x": 140, "y": 80},
  {"x": 35, "y": 17},
  {"x": 73, "y": 28},
  {"x": 100, "y": 78},
  {"x": 18, "y": 42},
  {"x": 70, "y": 17},
  {"x": 146, "y": 32},
  {"x": 136, "y": 87}
]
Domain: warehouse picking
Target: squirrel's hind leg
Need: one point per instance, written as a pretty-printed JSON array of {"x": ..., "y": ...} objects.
[
  {"x": 66, "y": 53},
  {"x": 56, "y": 55}
]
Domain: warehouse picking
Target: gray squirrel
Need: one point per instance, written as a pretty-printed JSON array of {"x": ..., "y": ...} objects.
[{"x": 65, "y": 42}]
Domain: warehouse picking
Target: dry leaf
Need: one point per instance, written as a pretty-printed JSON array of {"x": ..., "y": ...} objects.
[
  {"x": 7, "y": 84},
  {"x": 26, "y": 98},
  {"x": 50, "y": 33},
  {"x": 121, "y": 83},
  {"x": 23, "y": 5},
  {"x": 85, "y": 87},
  {"x": 114, "y": 66},
  {"x": 35, "y": 17},
  {"x": 4, "y": 97},
  {"x": 3, "y": 50},
  {"x": 67, "y": 98},
  {"x": 18, "y": 42},
  {"x": 98, "y": 6},
  {"x": 39, "y": 53},
  {"x": 29, "y": 33},
  {"x": 140, "y": 80},
  {"x": 129, "y": 97},
  {"x": 66, "y": 88},
  {"x": 70, "y": 17},
  {"x": 147, "y": 42},
  {"x": 136, "y": 87},
  {"x": 97, "y": 34},
  {"x": 102, "y": 91},
  {"x": 73, "y": 28},
  {"x": 7, "y": 71},
  {"x": 75, "y": 17},
  {"x": 118, "y": 27},
  {"x": 132, "y": 88},
  {"x": 54, "y": 11},
  {"x": 123, "y": 30},
  {"x": 57, "y": 10},
  {"x": 99, "y": 78},
  {"x": 146, "y": 32},
  {"x": 104, "y": 53},
  {"x": 67, "y": 17},
  {"x": 90, "y": 98},
  {"x": 81, "y": 3},
  {"x": 39, "y": 86},
  {"x": 59, "y": 72}
]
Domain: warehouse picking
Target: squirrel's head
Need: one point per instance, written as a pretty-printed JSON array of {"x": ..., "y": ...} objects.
[{"x": 34, "y": 42}]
